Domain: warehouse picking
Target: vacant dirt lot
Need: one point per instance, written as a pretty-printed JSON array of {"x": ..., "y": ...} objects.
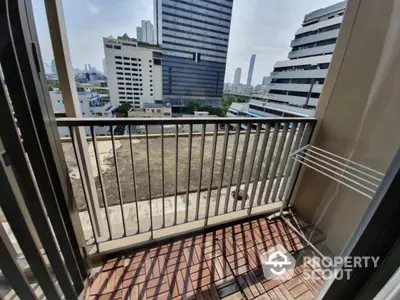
[{"x": 170, "y": 151}]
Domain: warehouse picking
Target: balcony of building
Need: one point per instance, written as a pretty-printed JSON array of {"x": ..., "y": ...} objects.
[{"x": 190, "y": 215}]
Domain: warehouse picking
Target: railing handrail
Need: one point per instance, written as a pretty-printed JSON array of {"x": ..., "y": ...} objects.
[{"x": 172, "y": 121}]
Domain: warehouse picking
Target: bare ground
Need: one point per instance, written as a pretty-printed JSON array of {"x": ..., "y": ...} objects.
[{"x": 141, "y": 169}]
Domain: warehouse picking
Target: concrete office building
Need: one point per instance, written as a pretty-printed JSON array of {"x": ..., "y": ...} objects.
[
  {"x": 238, "y": 74},
  {"x": 298, "y": 81},
  {"x": 133, "y": 70},
  {"x": 145, "y": 33},
  {"x": 251, "y": 69},
  {"x": 194, "y": 38}
]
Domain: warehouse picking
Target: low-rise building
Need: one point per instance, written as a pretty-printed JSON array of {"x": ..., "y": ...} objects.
[{"x": 91, "y": 106}]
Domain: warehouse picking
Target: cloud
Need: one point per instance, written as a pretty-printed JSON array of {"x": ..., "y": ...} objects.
[{"x": 93, "y": 8}]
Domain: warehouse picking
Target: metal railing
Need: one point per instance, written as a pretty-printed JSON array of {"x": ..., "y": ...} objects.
[{"x": 201, "y": 169}]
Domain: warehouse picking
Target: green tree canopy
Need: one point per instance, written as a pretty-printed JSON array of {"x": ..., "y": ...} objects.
[
  {"x": 229, "y": 99},
  {"x": 123, "y": 108}
]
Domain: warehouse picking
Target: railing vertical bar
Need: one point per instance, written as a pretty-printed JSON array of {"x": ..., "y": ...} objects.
[
  {"x": 241, "y": 166},
  {"x": 101, "y": 181},
  {"x": 78, "y": 162},
  {"x": 268, "y": 161},
  {"x": 134, "y": 178},
  {"x": 234, "y": 152},
  {"x": 290, "y": 162},
  {"x": 162, "y": 176},
  {"x": 121, "y": 203},
  {"x": 276, "y": 162},
  {"x": 296, "y": 167},
  {"x": 188, "y": 175},
  {"x": 13, "y": 274},
  {"x": 203, "y": 134},
  {"x": 252, "y": 159},
  {"x": 222, "y": 169},
  {"x": 176, "y": 173},
  {"x": 149, "y": 179},
  {"x": 214, "y": 149},
  {"x": 259, "y": 166},
  {"x": 25, "y": 239},
  {"x": 283, "y": 161}
]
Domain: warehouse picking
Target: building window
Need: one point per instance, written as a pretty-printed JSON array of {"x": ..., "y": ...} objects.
[
  {"x": 157, "y": 62},
  {"x": 120, "y": 78},
  {"x": 121, "y": 93},
  {"x": 108, "y": 46},
  {"x": 118, "y": 63},
  {"x": 132, "y": 58},
  {"x": 127, "y": 78},
  {"x": 125, "y": 63},
  {"x": 136, "y": 98},
  {"x": 117, "y": 47},
  {"x": 118, "y": 68},
  {"x": 117, "y": 57},
  {"x": 120, "y": 73},
  {"x": 140, "y": 59},
  {"x": 151, "y": 94},
  {"x": 126, "y": 57},
  {"x": 122, "y": 98},
  {"x": 121, "y": 88},
  {"x": 119, "y": 82},
  {"x": 128, "y": 83},
  {"x": 128, "y": 74},
  {"x": 129, "y": 88}
]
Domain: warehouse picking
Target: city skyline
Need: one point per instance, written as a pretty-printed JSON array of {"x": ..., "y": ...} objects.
[{"x": 267, "y": 33}]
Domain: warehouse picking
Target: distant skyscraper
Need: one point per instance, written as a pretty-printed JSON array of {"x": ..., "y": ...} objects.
[
  {"x": 238, "y": 74},
  {"x": 251, "y": 69},
  {"x": 266, "y": 80},
  {"x": 194, "y": 36},
  {"x": 145, "y": 33},
  {"x": 53, "y": 67}
]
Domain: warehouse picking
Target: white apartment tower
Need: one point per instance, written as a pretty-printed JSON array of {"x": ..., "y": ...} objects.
[
  {"x": 298, "y": 81},
  {"x": 133, "y": 70},
  {"x": 238, "y": 74},
  {"x": 145, "y": 33}
]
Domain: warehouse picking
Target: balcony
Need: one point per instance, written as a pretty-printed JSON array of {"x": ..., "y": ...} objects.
[
  {"x": 182, "y": 177},
  {"x": 189, "y": 208},
  {"x": 328, "y": 49}
]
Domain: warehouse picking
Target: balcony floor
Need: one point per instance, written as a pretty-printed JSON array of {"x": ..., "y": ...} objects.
[{"x": 223, "y": 264}]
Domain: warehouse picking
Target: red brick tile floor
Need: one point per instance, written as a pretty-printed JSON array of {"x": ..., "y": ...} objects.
[{"x": 224, "y": 264}]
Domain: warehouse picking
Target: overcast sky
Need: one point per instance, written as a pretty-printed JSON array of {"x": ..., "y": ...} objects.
[{"x": 261, "y": 27}]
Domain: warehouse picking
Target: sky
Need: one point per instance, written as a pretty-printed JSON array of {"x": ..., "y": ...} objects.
[{"x": 261, "y": 27}]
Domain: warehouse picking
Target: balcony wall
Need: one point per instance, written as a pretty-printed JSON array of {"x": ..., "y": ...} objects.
[
  {"x": 358, "y": 115},
  {"x": 301, "y": 74},
  {"x": 315, "y": 38},
  {"x": 312, "y": 51}
]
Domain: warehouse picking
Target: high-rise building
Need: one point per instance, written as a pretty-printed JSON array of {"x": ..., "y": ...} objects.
[
  {"x": 145, "y": 33},
  {"x": 133, "y": 71},
  {"x": 266, "y": 80},
  {"x": 238, "y": 74},
  {"x": 296, "y": 83},
  {"x": 53, "y": 67},
  {"x": 251, "y": 69},
  {"x": 194, "y": 38}
]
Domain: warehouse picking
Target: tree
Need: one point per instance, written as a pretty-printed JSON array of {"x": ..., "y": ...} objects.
[
  {"x": 123, "y": 109},
  {"x": 191, "y": 108},
  {"x": 229, "y": 99}
]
